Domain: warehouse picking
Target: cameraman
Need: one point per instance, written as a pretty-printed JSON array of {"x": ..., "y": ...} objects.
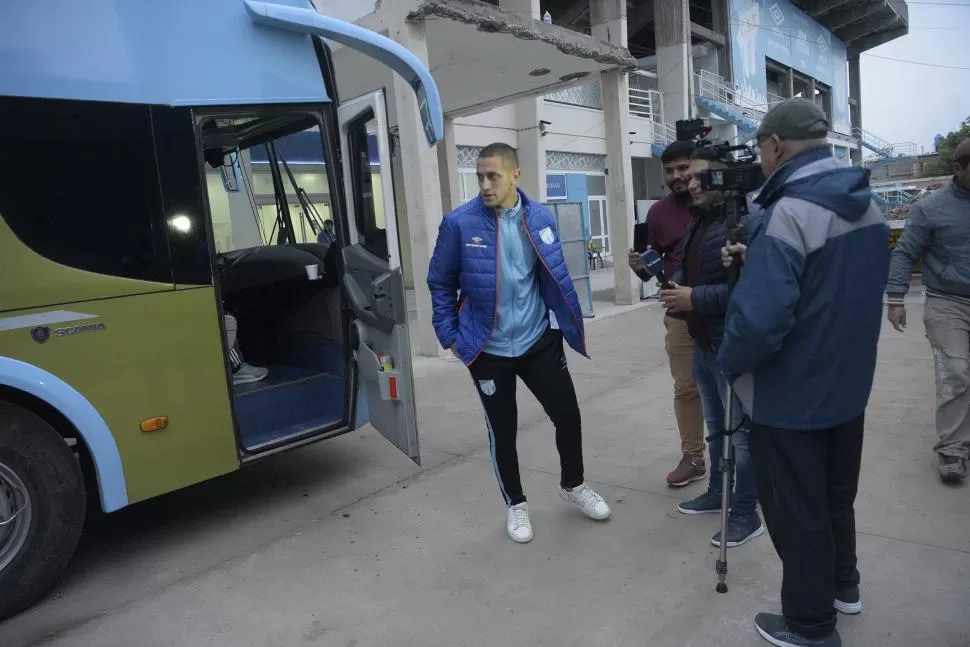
[
  {"x": 802, "y": 331},
  {"x": 704, "y": 297}
]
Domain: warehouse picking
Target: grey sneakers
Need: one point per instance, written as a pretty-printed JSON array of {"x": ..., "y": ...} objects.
[
  {"x": 775, "y": 630},
  {"x": 953, "y": 469}
]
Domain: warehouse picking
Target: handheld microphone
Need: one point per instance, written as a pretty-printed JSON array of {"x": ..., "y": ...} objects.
[{"x": 655, "y": 267}]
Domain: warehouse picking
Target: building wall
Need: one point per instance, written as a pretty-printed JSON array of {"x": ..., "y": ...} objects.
[
  {"x": 784, "y": 33},
  {"x": 575, "y": 144}
]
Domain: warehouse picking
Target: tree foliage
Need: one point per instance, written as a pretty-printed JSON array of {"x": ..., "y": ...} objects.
[{"x": 944, "y": 163}]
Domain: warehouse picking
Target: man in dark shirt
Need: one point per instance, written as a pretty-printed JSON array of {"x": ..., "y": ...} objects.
[
  {"x": 703, "y": 297},
  {"x": 667, "y": 221}
]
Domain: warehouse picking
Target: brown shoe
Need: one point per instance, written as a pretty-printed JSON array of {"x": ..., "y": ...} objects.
[{"x": 691, "y": 469}]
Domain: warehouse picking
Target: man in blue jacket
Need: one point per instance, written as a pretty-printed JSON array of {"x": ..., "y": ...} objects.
[
  {"x": 503, "y": 303},
  {"x": 702, "y": 294},
  {"x": 801, "y": 336}
]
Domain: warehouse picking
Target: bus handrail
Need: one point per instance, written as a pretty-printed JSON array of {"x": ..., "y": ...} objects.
[{"x": 381, "y": 48}]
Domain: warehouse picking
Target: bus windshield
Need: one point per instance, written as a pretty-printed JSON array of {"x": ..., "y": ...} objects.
[{"x": 267, "y": 181}]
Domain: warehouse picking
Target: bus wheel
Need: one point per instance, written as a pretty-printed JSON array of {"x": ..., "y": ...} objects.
[{"x": 42, "y": 504}]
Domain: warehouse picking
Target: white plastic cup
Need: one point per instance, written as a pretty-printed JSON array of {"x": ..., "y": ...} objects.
[{"x": 313, "y": 272}]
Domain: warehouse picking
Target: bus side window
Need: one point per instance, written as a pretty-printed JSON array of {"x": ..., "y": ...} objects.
[
  {"x": 81, "y": 185},
  {"x": 368, "y": 191}
]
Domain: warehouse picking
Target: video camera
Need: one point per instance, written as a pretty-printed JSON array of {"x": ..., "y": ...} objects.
[{"x": 743, "y": 173}]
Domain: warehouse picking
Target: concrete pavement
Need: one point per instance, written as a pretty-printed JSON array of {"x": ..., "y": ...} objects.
[{"x": 348, "y": 543}]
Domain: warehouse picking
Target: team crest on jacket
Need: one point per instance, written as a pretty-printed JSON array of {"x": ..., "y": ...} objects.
[
  {"x": 476, "y": 242},
  {"x": 487, "y": 386},
  {"x": 547, "y": 235}
]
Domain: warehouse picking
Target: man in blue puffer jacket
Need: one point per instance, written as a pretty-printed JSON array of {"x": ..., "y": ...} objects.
[
  {"x": 503, "y": 303},
  {"x": 702, "y": 294}
]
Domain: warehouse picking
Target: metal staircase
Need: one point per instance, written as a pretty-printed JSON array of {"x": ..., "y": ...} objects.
[
  {"x": 883, "y": 152},
  {"x": 715, "y": 94}
]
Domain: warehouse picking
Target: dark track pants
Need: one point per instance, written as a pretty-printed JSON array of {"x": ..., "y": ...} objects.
[
  {"x": 543, "y": 370},
  {"x": 807, "y": 483}
]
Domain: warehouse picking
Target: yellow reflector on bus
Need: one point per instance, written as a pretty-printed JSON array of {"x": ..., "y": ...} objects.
[{"x": 154, "y": 424}]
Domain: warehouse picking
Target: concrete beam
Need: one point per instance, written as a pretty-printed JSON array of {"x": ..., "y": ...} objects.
[
  {"x": 874, "y": 40},
  {"x": 709, "y": 35},
  {"x": 640, "y": 16},
  {"x": 817, "y": 8},
  {"x": 869, "y": 26},
  {"x": 845, "y": 17}
]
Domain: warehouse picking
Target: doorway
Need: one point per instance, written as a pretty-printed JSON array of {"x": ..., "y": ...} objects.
[{"x": 599, "y": 224}]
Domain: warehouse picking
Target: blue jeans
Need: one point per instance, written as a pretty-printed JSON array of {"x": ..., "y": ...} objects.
[{"x": 712, "y": 384}]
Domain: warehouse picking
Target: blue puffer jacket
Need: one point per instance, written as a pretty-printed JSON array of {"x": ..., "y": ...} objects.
[
  {"x": 463, "y": 277},
  {"x": 709, "y": 295}
]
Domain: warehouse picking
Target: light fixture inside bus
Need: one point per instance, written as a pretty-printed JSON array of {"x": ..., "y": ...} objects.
[{"x": 180, "y": 223}]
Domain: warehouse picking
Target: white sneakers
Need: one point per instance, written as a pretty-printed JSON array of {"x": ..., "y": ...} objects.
[
  {"x": 519, "y": 526},
  {"x": 583, "y": 497}
]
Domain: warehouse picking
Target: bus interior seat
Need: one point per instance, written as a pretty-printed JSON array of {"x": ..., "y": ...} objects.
[{"x": 292, "y": 326}]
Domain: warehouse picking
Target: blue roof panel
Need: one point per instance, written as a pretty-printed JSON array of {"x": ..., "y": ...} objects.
[{"x": 170, "y": 52}]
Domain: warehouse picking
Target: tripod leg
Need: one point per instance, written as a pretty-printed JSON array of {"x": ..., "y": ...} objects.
[{"x": 727, "y": 469}]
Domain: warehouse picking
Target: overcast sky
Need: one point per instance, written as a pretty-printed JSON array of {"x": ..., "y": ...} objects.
[{"x": 902, "y": 102}]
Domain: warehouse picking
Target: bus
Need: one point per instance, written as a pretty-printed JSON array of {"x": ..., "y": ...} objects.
[{"x": 199, "y": 252}]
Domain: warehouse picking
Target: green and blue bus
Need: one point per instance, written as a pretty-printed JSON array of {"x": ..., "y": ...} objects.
[{"x": 199, "y": 255}]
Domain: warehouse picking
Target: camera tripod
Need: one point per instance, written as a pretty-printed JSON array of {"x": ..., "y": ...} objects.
[{"x": 734, "y": 206}]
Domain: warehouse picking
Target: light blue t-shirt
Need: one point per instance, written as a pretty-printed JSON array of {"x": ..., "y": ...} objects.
[{"x": 522, "y": 316}]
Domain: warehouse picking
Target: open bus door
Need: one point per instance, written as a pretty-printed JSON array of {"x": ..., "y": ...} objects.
[{"x": 373, "y": 283}]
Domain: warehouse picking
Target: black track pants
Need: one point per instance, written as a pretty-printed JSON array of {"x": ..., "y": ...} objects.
[
  {"x": 543, "y": 370},
  {"x": 807, "y": 484}
]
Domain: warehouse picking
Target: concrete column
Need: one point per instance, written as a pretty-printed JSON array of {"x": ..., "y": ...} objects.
[
  {"x": 791, "y": 83},
  {"x": 531, "y": 147},
  {"x": 421, "y": 186},
  {"x": 855, "y": 104},
  {"x": 448, "y": 168},
  {"x": 524, "y": 8},
  {"x": 722, "y": 25},
  {"x": 608, "y": 18},
  {"x": 811, "y": 92},
  {"x": 675, "y": 65}
]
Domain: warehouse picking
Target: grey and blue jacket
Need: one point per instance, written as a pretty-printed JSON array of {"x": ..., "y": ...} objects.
[
  {"x": 937, "y": 231},
  {"x": 803, "y": 322}
]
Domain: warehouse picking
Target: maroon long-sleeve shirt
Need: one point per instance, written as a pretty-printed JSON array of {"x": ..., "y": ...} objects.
[{"x": 667, "y": 222}]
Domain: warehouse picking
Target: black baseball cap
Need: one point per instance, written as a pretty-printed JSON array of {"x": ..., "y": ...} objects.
[{"x": 795, "y": 119}]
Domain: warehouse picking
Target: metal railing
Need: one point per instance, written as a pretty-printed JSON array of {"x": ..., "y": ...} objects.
[
  {"x": 873, "y": 141},
  {"x": 713, "y": 86},
  {"x": 775, "y": 99},
  {"x": 663, "y": 133},
  {"x": 645, "y": 101}
]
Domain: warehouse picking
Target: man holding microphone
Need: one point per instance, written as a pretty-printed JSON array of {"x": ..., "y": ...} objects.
[
  {"x": 667, "y": 222},
  {"x": 700, "y": 291}
]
